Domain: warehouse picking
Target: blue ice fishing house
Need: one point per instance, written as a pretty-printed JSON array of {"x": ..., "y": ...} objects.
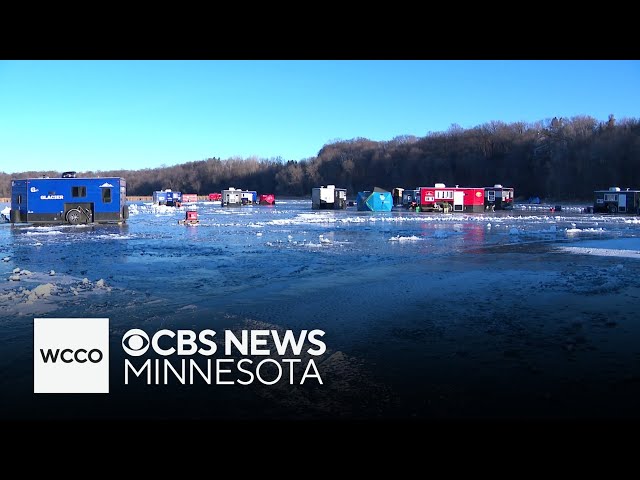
[
  {"x": 167, "y": 197},
  {"x": 69, "y": 200},
  {"x": 249, "y": 197},
  {"x": 377, "y": 201}
]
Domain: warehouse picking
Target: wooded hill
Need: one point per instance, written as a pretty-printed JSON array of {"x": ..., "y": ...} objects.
[{"x": 561, "y": 158}]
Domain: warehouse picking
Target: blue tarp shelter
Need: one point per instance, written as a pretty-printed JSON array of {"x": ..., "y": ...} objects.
[{"x": 377, "y": 201}]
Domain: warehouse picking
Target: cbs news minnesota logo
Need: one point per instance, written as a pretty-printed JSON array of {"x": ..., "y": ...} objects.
[{"x": 71, "y": 355}]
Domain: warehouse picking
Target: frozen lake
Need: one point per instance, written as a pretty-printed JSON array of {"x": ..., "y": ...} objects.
[{"x": 520, "y": 313}]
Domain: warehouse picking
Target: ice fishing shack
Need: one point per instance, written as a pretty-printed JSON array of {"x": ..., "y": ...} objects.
[
  {"x": 410, "y": 197},
  {"x": 267, "y": 199},
  {"x": 498, "y": 198},
  {"x": 69, "y": 200},
  {"x": 232, "y": 197},
  {"x": 328, "y": 197},
  {"x": 167, "y": 197},
  {"x": 249, "y": 197},
  {"x": 616, "y": 200}
]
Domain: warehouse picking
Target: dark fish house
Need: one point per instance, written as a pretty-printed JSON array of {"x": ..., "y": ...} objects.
[
  {"x": 410, "y": 196},
  {"x": 69, "y": 200},
  {"x": 397, "y": 196},
  {"x": 616, "y": 200},
  {"x": 498, "y": 198}
]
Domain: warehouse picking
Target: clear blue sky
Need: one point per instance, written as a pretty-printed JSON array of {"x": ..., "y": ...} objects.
[{"x": 103, "y": 115}]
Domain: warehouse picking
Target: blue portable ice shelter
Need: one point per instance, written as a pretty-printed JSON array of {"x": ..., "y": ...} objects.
[{"x": 379, "y": 200}]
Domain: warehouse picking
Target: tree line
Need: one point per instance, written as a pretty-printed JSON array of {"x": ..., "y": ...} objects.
[{"x": 558, "y": 158}]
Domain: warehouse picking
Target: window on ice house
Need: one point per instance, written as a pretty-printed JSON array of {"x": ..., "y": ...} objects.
[
  {"x": 610, "y": 197},
  {"x": 106, "y": 195},
  {"x": 78, "y": 192},
  {"x": 444, "y": 194}
]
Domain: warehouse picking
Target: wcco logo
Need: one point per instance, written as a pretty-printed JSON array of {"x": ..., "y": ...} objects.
[
  {"x": 81, "y": 355},
  {"x": 71, "y": 355}
]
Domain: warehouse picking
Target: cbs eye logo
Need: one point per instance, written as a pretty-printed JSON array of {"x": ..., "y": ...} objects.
[{"x": 135, "y": 342}]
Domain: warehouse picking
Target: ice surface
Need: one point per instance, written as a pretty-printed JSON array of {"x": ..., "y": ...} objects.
[
  {"x": 152, "y": 247},
  {"x": 612, "y": 247},
  {"x": 45, "y": 232},
  {"x": 398, "y": 238}
]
